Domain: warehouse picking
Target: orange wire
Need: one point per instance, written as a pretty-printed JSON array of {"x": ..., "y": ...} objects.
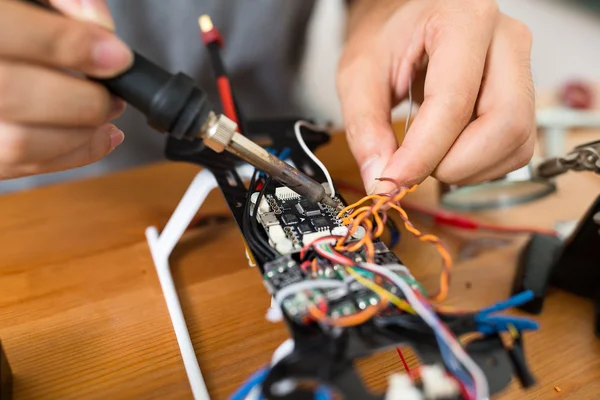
[
  {"x": 361, "y": 201},
  {"x": 359, "y": 217},
  {"x": 350, "y": 320}
]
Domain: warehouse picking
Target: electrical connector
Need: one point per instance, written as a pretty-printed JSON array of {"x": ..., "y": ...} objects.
[
  {"x": 284, "y": 246},
  {"x": 264, "y": 206},
  {"x": 339, "y": 231},
  {"x": 285, "y": 193},
  {"x": 401, "y": 387},
  {"x": 276, "y": 233},
  {"x": 311, "y": 237},
  {"x": 436, "y": 384}
]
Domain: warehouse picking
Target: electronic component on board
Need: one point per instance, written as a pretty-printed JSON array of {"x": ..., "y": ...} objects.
[
  {"x": 290, "y": 219},
  {"x": 311, "y": 237},
  {"x": 282, "y": 272},
  {"x": 276, "y": 233},
  {"x": 305, "y": 228},
  {"x": 285, "y": 193},
  {"x": 268, "y": 219},
  {"x": 307, "y": 208},
  {"x": 320, "y": 223}
]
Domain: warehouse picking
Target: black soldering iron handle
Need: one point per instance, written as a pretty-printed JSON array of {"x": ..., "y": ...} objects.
[{"x": 171, "y": 103}]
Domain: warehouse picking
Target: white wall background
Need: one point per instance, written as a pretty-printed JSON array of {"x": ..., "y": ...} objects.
[{"x": 566, "y": 46}]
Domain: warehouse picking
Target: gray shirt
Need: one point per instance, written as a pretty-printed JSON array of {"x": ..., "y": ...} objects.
[{"x": 263, "y": 43}]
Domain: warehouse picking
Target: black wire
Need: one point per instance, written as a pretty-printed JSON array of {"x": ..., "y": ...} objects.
[
  {"x": 254, "y": 245},
  {"x": 254, "y": 223},
  {"x": 458, "y": 324}
]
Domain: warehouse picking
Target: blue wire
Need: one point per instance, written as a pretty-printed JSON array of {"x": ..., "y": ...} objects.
[
  {"x": 488, "y": 322},
  {"x": 453, "y": 364},
  {"x": 323, "y": 393},
  {"x": 254, "y": 380},
  {"x": 285, "y": 153},
  {"x": 511, "y": 302},
  {"x": 394, "y": 238}
]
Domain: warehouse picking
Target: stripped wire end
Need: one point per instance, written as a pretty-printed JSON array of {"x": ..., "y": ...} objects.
[{"x": 210, "y": 34}]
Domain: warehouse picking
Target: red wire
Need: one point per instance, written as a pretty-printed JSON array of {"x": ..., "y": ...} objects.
[
  {"x": 454, "y": 220},
  {"x": 317, "y": 240},
  {"x": 336, "y": 257},
  {"x": 304, "y": 266},
  {"x": 464, "y": 392},
  {"x": 404, "y": 363},
  {"x": 223, "y": 84},
  {"x": 227, "y": 98}
]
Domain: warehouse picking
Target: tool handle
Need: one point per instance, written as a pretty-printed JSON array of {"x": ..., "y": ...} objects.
[{"x": 171, "y": 102}]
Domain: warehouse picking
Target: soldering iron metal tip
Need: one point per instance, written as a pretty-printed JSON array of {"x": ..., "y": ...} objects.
[{"x": 328, "y": 201}]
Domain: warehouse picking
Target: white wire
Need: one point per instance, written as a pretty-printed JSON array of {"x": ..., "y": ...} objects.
[
  {"x": 410, "y": 104},
  {"x": 481, "y": 384},
  {"x": 309, "y": 153},
  {"x": 307, "y": 285},
  {"x": 399, "y": 268}
]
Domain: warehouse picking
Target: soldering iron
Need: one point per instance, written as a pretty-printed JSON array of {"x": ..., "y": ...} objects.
[{"x": 173, "y": 104}]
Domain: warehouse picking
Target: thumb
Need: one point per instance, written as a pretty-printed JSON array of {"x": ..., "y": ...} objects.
[
  {"x": 366, "y": 107},
  {"x": 95, "y": 11}
]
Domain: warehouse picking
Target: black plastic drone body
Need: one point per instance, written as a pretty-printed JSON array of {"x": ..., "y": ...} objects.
[{"x": 326, "y": 356}]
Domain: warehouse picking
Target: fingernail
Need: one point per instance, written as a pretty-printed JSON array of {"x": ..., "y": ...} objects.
[
  {"x": 112, "y": 55},
  {"x": 370, "y": 171},
  {"x": 117, "y": 107},
  {"x": 116, "y": 138},
  {"x": 91, "y": 11}
]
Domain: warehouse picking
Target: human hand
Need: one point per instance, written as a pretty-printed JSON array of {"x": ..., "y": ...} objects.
[
  {"x": 477, "y": 119},
  {"x": 51, "y": 118}
]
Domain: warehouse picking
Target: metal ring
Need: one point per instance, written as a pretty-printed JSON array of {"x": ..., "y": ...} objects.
[{"x": 465, "y": 198}]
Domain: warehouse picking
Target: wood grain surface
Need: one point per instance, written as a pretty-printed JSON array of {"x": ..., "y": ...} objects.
[{"x": 82, "y": 315}]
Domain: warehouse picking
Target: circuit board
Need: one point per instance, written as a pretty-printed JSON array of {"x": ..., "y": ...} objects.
[
  {"x": 291, "y": 221},
  {"x": 285, "y": 271}
]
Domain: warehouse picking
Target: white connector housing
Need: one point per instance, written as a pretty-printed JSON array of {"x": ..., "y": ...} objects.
[
  {"x": 310, "y": 237},
  {"x": 276, "y": 234},
  {"x": 401, "y": 387},
  {"x": 264, "y": 206},
  {"x": 285, "y": 193},
  {"x": 339, "y": 231},
  {"x": 436, "y": 384},
  {"x": 284, "y": 246}
]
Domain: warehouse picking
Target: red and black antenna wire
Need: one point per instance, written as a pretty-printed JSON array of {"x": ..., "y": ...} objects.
[{"x": 213, "y": 42}]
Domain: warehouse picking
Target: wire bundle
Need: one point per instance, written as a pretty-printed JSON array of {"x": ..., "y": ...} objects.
[{"x": 359, "y": 215}]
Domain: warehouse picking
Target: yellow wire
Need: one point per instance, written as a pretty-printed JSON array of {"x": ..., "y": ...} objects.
[
  {"x": 398, "y": 302},
  {"x": 513, "y": 331}
]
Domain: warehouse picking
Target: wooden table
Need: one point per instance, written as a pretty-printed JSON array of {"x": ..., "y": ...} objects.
[{"x": 82, "y": 315}]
